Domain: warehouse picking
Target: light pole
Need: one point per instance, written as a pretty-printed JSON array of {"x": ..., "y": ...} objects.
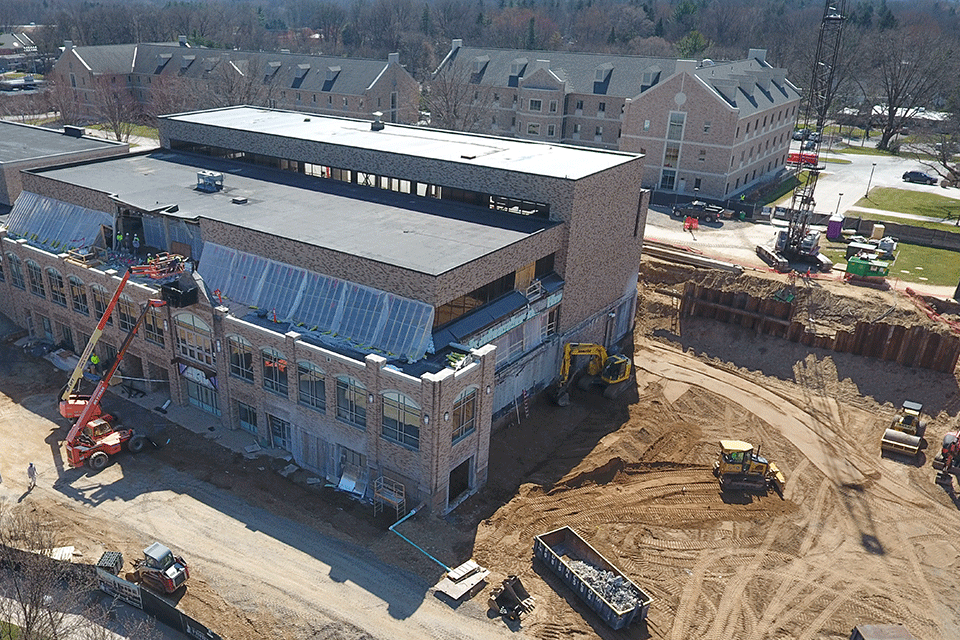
[
  {"x": 872, "y": 169},
  {"x": 838, "y": 204}
]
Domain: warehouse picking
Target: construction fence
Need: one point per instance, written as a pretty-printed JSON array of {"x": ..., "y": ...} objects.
[{"x": 915, "y": 346}]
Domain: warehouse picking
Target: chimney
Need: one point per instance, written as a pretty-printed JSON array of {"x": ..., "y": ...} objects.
[
  {"x": 393, "y": 58},
  {"x": 456, "y": 44},
  {"x": 183, "y": 41},
  {"x": 377, "y": 124},
  {"x": 757, "y": 54},
  {"x": 67, "y": 45}
]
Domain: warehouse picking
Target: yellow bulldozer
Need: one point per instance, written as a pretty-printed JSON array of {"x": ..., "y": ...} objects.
[
  {"x": 740, "y": 469},
  {"x": 610, "y": 372}
]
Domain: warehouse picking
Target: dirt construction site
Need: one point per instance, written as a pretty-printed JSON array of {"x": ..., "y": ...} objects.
[{"x": 857, "y": 537}]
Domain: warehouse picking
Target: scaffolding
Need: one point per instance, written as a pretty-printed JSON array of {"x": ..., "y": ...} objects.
[{"x": 389, "y": 492}]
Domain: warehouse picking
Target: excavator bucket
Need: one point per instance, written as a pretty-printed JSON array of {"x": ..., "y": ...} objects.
[{"x": 511, "y": 599}]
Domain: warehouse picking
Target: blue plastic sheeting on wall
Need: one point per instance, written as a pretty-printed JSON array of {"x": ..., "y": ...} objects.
[{"x": 54, "y": 225}]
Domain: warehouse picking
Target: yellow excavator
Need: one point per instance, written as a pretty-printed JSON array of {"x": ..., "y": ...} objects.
[
  {"x": 607, "y": 371},
  {"x": 740, "y": 469}
]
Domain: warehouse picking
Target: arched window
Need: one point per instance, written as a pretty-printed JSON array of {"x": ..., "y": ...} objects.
[
  {"x": 274, "y": 371},
  {"x": 126, "y": 313},
  {"x": 465, "y": 413},
  {"x": 153, "y": 327},
  {"x": 100, "y": 301},
  {"x": 16, "y": 271},
  {"x": 312, "y": 386},
  {"x": 401, "y": 419},
  {"x": 57, "y": 292},
  {"x": 351, "y": 401},
  {"x": 194, "y": 338},
  {"x": 78, "y": 295},
  {"x": 35, "y": 275},
  {"x": 241, "y": 358}
]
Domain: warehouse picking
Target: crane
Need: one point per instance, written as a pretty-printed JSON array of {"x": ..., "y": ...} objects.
[
  {"x": 798, "y": 242},
  {"x": 73, "y": 404}
]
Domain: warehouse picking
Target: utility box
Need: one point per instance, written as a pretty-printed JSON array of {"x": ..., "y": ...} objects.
[{"x": 881, "y": 632}]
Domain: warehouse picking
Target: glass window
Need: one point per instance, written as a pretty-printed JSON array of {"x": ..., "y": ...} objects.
[
  {"x": 248, "y": 417},
  {"x": 203, "y": 397},
  {"x": 576, "y": 129},
  {"x": 668, "y": 179},
  {"x": 126, "y": 313},
  {"x": 602, "y": 108},
  {"x": 553, "y": 106},
  {"x": 241, "y": 358},
  {"x": 465, "y": 413},
  {"x": 551, "y": 130},
  {"x": 16, "y": 271},
  {"x": 351, "y": 402},
  {"x": 35, "y": 275},
  {"x": 57, "y": 292},
  {"x": 536, "y": 105},
  {"x": 675, "y": 128},
  {"x": 401, "y": 419},
  {"x": 579, "y": 105},
  {"x": 279, "y": 432},
  {"x": 312, "y": 386},
  {"x": 194, "y": 338},
  {"x": 533, "y": 129},
  {"x": 274, "y": 371},
  {"x": 153, "y": 327},
  {"x": 548, "y": 326},
  {"x": 78, "y": 295},
  {"x": 671, "y": 156},
  {"x": 706, "y": 127},
  {"x": 598, "y": 132},
  {"x": 100, "y": 299}
]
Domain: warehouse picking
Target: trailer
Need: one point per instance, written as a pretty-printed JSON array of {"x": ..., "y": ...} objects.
[{"x": 613, "y": 596}]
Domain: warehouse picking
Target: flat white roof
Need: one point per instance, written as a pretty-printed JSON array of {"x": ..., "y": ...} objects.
[{"x": 524, "y": 156}]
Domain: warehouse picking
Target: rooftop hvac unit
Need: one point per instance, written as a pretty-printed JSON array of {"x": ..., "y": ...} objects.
[{"x": 209, "y": 181}]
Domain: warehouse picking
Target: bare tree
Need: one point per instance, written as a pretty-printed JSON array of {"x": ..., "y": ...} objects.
[
  {"x": 910, "y": 66},
  {"x": 45, "y": 598},
  {"x": 115, "y": 107},
  {"x": 456, "y": 99},
  {"x": 63, "y": 100}
]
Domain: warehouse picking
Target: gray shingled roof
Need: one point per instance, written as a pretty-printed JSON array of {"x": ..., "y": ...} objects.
[
  {"x": 297, "y": 72},
  {"x": 625, "y": 76},
  {"x": 108, "y": 59}
]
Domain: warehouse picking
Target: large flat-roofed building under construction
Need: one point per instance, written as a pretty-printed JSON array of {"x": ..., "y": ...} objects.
[{"x": 370, "y": 297}]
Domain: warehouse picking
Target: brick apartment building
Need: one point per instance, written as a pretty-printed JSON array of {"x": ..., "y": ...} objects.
[
  {"x": 174, "y": 77},
  {"x": 710, "y": 129},
  {"x": 371, "y": 296}
]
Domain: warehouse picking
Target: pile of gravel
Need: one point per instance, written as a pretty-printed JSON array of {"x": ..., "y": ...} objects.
[{"x": 615, "y": 589}]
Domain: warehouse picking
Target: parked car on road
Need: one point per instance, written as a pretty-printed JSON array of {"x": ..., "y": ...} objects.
[
  {"x": 801, "y": 134},
  {"x": 919, "y": 177}
]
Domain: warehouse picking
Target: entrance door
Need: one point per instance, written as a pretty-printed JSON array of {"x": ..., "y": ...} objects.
[
  {"x": 203, "y": 398},
  {"x": 459, "y": 481}
]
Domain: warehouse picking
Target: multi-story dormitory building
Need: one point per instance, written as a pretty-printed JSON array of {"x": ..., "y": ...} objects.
[
  {"x": 371, "y": 296},
  {"x": 715, "y": 129},
  {"x": 166, "y": 77}
]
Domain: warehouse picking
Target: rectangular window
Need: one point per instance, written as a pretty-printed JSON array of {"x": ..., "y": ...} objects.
[
  {"x": 241, "y": 358},
  {"x": 401, "y": 420},
  {"x": 598, "y": 132},
  {"x": 127, "y": 314},
  {"x": 36, "y": 280},
  {"x": 579, "y": 105},
  {"x": 646, "y": 125},
  {"x": 706, "y": 127},
  {"x": 601, "y": 109},
  {"x": 279, "y": 432},
  {"x": 351, "y": 402},
  {"x": 533, "y": 129},
  {"x": 313, "y": 390},
  {"x": 548, "y": 324},
  {"x": 702, "y": 156},
  {"x": 78, "y": 294},
  {"x": 274, "y": 372},
  {"x": 675, "y": 126},
  {"x": 553, "y": 106},
  {"x": 551, "y": 130},
  {"x": 247, "y": 416},
  {"x": 464, "y": 414},
  {"x": 100, "y": 304},
  {"x": 668, "y": 179},
  {"x": 57, "y": 292},
  {"x": 47, "y": 328},
  {"x": 496, "y": 99},
  {"x": 536, "y": 105},
  {"x": 153, "y": 327},
  {"x": 576, "y": 129},
  {"x": 696, "y": 183},
  {"x": 671, "y": 157}
]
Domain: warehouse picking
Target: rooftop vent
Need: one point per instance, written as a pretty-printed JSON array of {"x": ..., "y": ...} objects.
[
  {"x": 209, "y": 181},
  {"x": 239, "y": 200},
  {"x": 72, "y": 131},
  {"x": 377, "y": 124}
]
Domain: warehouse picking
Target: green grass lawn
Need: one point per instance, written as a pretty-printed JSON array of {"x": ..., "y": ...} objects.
[
  {"x": 914, "y": 263},
  {"x": 867, "y": 150},
  {"x": 922, "y": 203},
  {"x": 138, "y": 130}
]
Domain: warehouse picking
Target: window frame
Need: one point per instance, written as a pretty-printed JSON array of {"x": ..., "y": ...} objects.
[
  {"x": 315, "y": 393},
  {"x": 35, "y": 276},
  {"x": 464, "y": 414},
  {"x": 237, "y": 348},
  {"x": 194, "y": 342},
  {"x": 126, "y": 313},
  {"x": 274, "y": 368},
  {"x": 58, "y": 290},
  {"x": 404, "y": 428},
  {"x": 78, "y": 296},
  {"x": 100, "y": 302},
  {"x": 15, "y": 265},
  {"x": 153, "y": 327},
  {"x": 351, "y": 402},
  {"x": 535, "y": 104}
]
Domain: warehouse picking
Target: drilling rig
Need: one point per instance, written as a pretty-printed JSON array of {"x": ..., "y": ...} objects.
[{"x": 798, "y": 242}]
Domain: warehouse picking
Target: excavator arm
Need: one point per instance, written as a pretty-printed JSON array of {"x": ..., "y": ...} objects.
[{"x": 581, "y": 349}]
